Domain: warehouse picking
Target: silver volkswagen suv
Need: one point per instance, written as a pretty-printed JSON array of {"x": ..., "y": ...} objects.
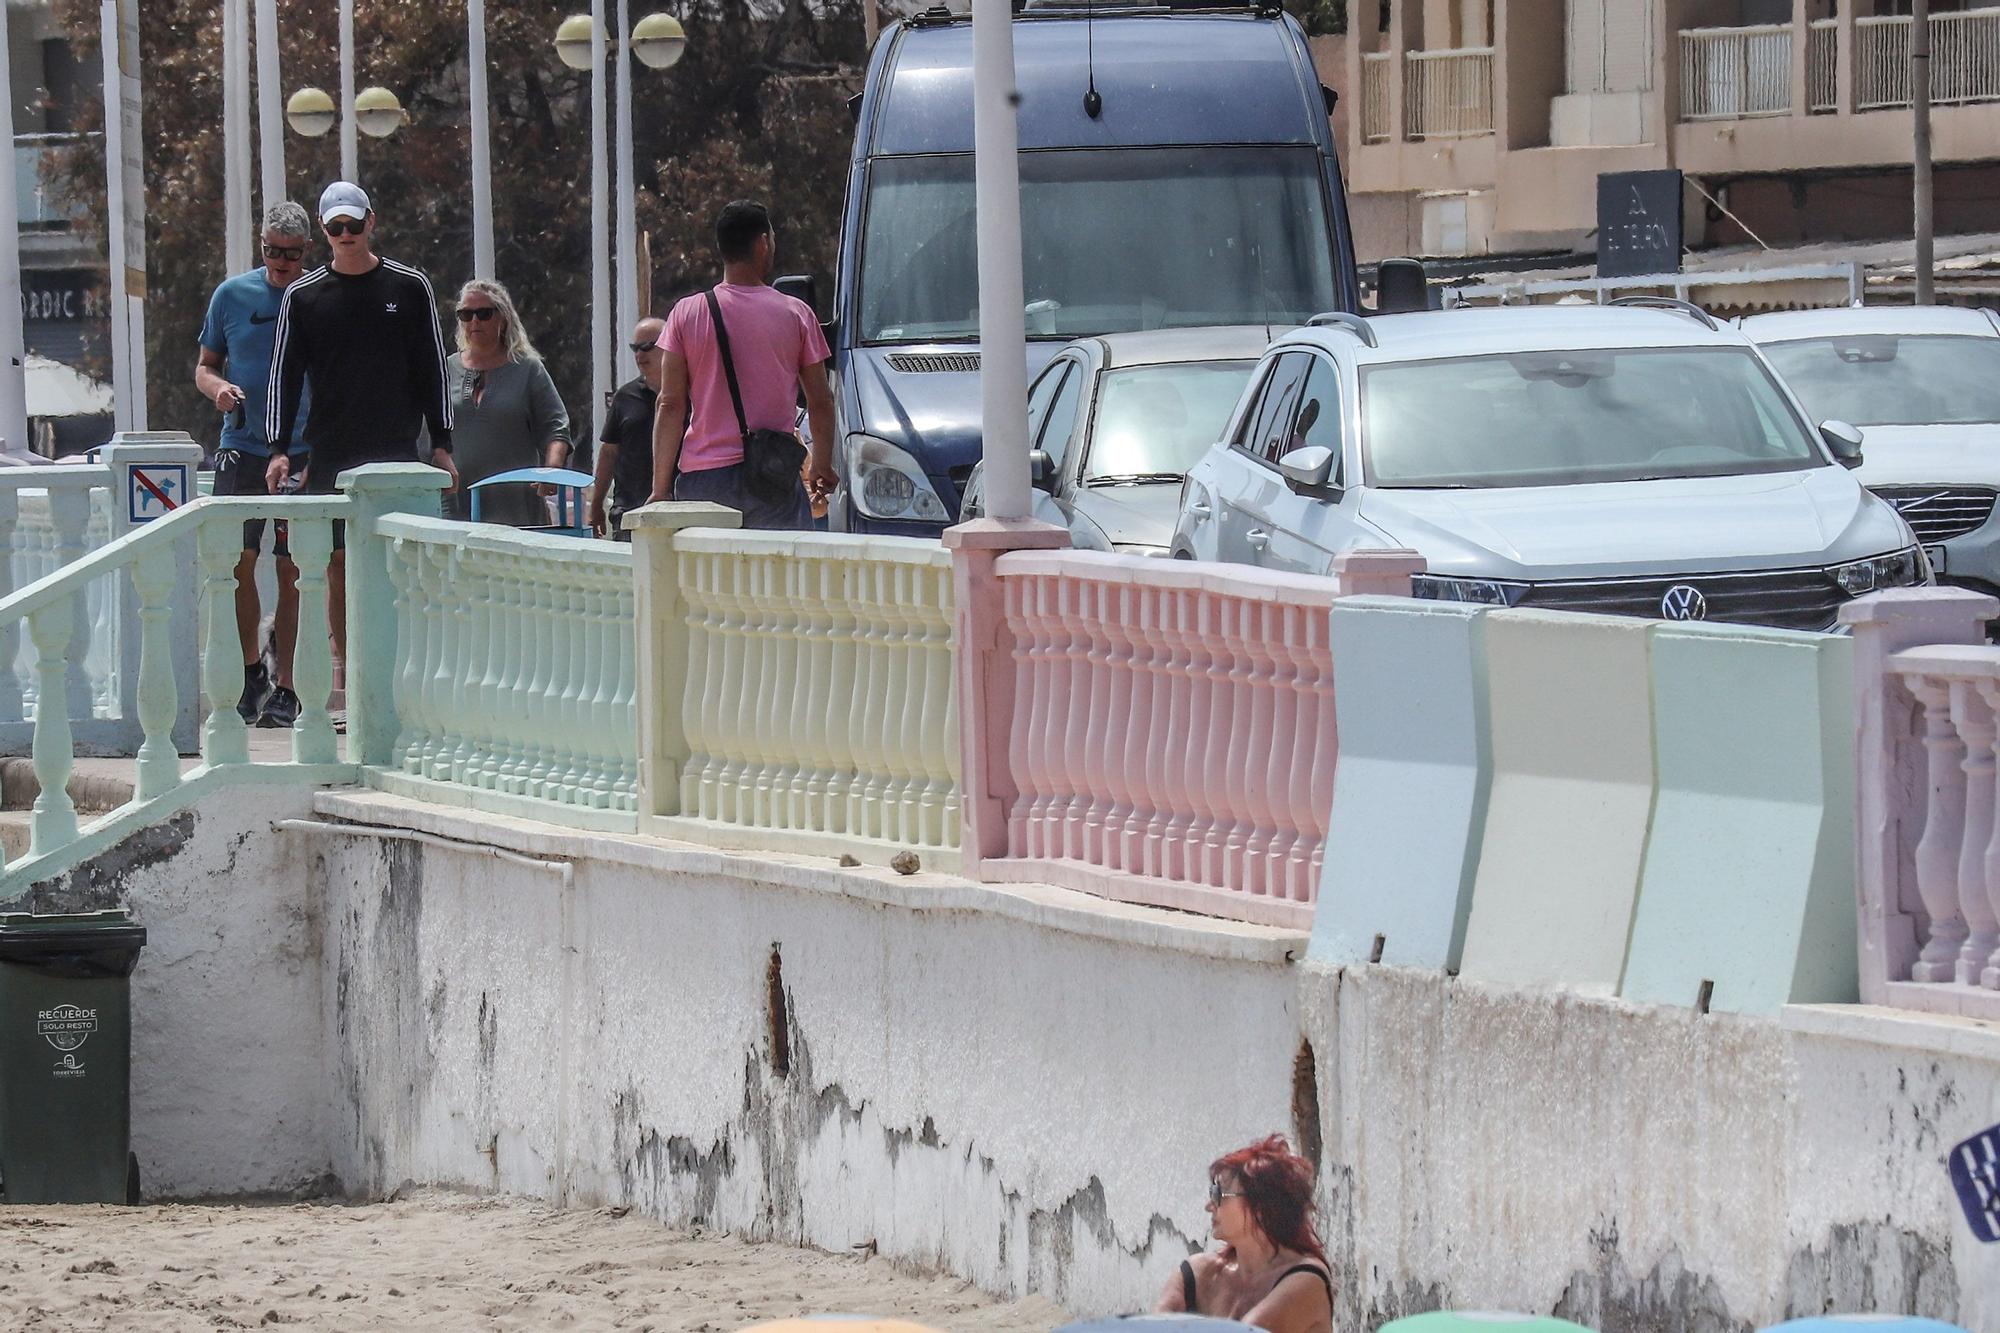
[
  {"x": 1923, "y": 384},
  {"x": 1638, "y": 461}
]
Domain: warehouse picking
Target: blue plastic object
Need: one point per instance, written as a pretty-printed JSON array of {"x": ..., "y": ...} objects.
[
  {"x": 571, "y": 517},
  {"x": 1864, "y": 1323}
]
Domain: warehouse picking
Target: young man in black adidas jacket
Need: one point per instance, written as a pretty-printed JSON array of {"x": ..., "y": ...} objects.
[{"x": 366, "y": 330}]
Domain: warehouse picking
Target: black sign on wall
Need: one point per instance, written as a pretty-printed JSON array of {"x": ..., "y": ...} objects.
[{"x": 1638, "y": 223}]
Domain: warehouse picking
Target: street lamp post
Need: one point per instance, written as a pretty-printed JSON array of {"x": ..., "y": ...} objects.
[
  {"x": 13, "y": 351},
  {"x": 350, "y": 151},
  {"x": 482, "y": 156},
  {"x": 1003, "y": 334},
  {"x": 270, "y": 110},
  {"x": 236, "y": 133}
]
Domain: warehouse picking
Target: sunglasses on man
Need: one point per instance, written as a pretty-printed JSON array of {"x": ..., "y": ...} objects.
[
  {"x": 291, "y": 254},
  {"x": 466, "y": 314},
  {"x": 640, "y": 349},
  {"x": 345, "y": 226}
]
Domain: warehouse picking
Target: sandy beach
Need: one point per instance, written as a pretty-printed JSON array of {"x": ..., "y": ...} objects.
[{"x": 442, "y": 1261}]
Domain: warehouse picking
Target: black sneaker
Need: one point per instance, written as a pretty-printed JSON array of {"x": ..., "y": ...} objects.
[
  {"x": 256, "y": 690},
  {"x": 281, "y": 709}
]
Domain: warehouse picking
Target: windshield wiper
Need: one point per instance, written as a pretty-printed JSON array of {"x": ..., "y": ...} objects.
[{"x": 1133, "y": 478}]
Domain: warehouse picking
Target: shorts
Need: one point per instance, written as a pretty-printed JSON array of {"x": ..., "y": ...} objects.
[
  {"x": 724, "y": 486},
  {"x": 238, "y": 473}
]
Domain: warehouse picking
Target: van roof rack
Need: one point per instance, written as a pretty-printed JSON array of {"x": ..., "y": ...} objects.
[
  {"x": 1688, "y": 308},
  {"x": 1344, "y": 319}
]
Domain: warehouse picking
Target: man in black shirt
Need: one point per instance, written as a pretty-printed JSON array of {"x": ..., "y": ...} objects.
[
  {"x": 366, "y": 330},
  {"x": 625, "y": 454}
]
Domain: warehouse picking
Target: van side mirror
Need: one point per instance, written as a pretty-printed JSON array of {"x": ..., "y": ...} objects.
[
  {"x": 1308, "y": 469},
  {"x": 803, "y": 287},
  {"x": 1041, "y": 471},
  {"x": 1401, "y": 285},
  {"x": 1842, "y": 441}
]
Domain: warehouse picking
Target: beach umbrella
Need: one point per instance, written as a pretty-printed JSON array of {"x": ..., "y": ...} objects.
[
  {"x": 838, "y": 1323},
  {"x": 1864, "y": 1323},
  {"x": 1480, "y": 1321}
]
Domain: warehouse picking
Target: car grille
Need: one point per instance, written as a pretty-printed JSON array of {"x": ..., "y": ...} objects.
[
  {"x": 1783, "y": 599},
  {"x": 1939, "y": 513},
  {"x": 919, "y": 363}
]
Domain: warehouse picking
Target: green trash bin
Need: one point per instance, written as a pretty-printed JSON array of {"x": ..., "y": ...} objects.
[{"x": 66, "y": 1056}]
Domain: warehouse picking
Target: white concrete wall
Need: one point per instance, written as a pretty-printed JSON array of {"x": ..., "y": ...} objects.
[
  {"x": 228, "y": 1061},
  {"x": 1018, "y": 1086}
]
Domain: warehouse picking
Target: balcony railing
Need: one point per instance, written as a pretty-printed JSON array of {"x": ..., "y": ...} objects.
[
  {"x": 39, "y": 204},
  {"x": 1729, "y": 73},
  {"x": 1822, "y": 47},
  {"x": 1965, "y": 59},
  {"x": 1375, "y": 97},
  {"x": 1448, "y": 94}
]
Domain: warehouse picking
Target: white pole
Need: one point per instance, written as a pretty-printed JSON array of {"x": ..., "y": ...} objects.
[
  {"x": 627, "y": 303},
  {"x": 600, "y": 263},
  {"x": 350, "y": 150},
  {"x": 482, "y": 155},
  {"x": 13, "y": 351},
  {"x": 1003, "y": 334},
  {"x": 270, "y": 104},
  {"x": 236, "y": 134},
  {"x": 125, "y": 213}
]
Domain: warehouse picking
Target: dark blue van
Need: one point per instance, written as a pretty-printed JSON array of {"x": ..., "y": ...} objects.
[{"x": 1205, "y": 191}]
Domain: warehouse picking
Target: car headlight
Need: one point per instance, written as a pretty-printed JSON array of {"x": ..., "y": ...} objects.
[
  {"x": 1901, "y": 569},
  {"x": 1485, "y": 592},
  {"x": 886, "y": 482}
]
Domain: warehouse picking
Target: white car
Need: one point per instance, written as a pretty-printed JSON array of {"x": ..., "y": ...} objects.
[
  {"x": 1634, "y": 461},
  {"x": 1114, "y": 424},
  {"x": 1923, "y": 384}
]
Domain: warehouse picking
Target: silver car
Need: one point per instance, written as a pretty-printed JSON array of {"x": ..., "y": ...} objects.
[
  {"x": 1114, "y": 423},
  {"x": 1923, "y": 384},
  {"x": 1634, "y": 461}
]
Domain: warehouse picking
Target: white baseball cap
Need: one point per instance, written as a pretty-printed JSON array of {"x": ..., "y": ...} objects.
[{"x": 343, "y": 199}]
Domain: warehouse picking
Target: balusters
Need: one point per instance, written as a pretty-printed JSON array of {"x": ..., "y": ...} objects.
[
  {"x": 899, "y": 733},
  {"x": 1944, "y": 825},
  {"x": 159, "y": 765},
  {"x": 53, "y": 823},
  {"x": 312, "y": 669},
  {"x": 417, "y": 652},
  {"x": 938, "y": 820},
  {"x": 843, "y": 639},
  {"x": 1095, "y": 602},
  {"x": 70, "y": 511},
  {"x": 624, "y": 697},
  {"x": 822, "y": 701},
  {"x": 470, "y": 606},
  {"x": 503, "y": 638},
  {"x": 1974, "y": 721},
  {"x": 704, "y": 677},
  {"x": 224, "y": 738},
  {"x": 581, "y": 660},
  {"x": 864, "y": 788},
  {"x": 402, "y": 553}
]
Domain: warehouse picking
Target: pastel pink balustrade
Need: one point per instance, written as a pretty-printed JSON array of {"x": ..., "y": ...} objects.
[
  {"x": 1927, "y": 711},
  {"x": 1153, "y": 731}
]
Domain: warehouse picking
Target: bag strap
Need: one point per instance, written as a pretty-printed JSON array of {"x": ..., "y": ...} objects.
[{"x": 728, "y": 365}]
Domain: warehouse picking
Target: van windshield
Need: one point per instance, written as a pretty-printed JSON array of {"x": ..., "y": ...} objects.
[
  {"x": 1112, "y": 240},
  {"x": 1560, "y": 418}
]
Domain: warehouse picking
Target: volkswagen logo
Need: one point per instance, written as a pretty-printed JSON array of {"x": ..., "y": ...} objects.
[{"x": 1684, "y": 602}]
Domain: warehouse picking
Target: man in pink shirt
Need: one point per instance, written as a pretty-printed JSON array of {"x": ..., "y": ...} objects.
[{"x": 776, "y": 347}]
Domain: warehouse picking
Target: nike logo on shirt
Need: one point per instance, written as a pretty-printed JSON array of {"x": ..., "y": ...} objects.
[{"x": 263, "y": 319}]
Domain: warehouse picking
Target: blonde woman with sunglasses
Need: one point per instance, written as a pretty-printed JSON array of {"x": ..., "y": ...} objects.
[{"x": 507, "y": 410}]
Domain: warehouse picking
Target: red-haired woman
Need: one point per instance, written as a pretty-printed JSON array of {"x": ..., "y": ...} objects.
[{"x": 1271, "y": 1270}]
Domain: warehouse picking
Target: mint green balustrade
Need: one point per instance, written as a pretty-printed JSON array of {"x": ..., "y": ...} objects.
[
  {"x": 512, "y": 691},
  {"x": 312, "y": 666},
  {"x": 52, "y": 627},
  {"x": 224, "y": 739},
  {"x": 159, "y": 699}
]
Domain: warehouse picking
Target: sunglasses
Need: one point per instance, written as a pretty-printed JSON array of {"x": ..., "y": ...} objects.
[
  {"x": 288, "y": 253},
  {"x": 345, "y": 226},
  {"x": 640, "y": 349},
  {"x": 466, "y": 314},
  {"x": 1216, "y": 1194}
]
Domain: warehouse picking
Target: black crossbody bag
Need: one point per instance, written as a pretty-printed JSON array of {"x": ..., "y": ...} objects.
[{"x": 772, "y": 459}]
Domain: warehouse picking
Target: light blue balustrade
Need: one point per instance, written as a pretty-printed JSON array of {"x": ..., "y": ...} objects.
[{"x": 515, "y": 677}]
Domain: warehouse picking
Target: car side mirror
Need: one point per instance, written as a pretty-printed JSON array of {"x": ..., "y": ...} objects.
[
  {"x": 1843, "y": 441},
  {"x": 802, "y": 286},
  {"x": 1041, "y": 471},
  {"x": 1308, "y": 469}
]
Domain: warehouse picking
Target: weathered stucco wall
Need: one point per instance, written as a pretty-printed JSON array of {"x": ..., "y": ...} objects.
[
  {"x": 1018, "y": 1086},
  {"x": 228, "y": 1056}
]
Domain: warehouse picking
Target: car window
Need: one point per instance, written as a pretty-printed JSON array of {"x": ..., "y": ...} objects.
[
  {"x": 1061, "y": 424},
  {"x": 1877, "y": 379},
  {"x": 1266, "y": 427},
  {"x": 1043, "y": 393},
  {"x": 1554, "y": 418},
  {"x": 1318, "y": 420},
  {"x": 1157, "y": 421}
]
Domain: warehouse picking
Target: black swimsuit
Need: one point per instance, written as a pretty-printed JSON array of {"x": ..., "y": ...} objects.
[{"x": 1187, "y": 1281}]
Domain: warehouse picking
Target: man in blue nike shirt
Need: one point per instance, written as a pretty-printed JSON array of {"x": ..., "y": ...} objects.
[{"x": 233, "y": 372}]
